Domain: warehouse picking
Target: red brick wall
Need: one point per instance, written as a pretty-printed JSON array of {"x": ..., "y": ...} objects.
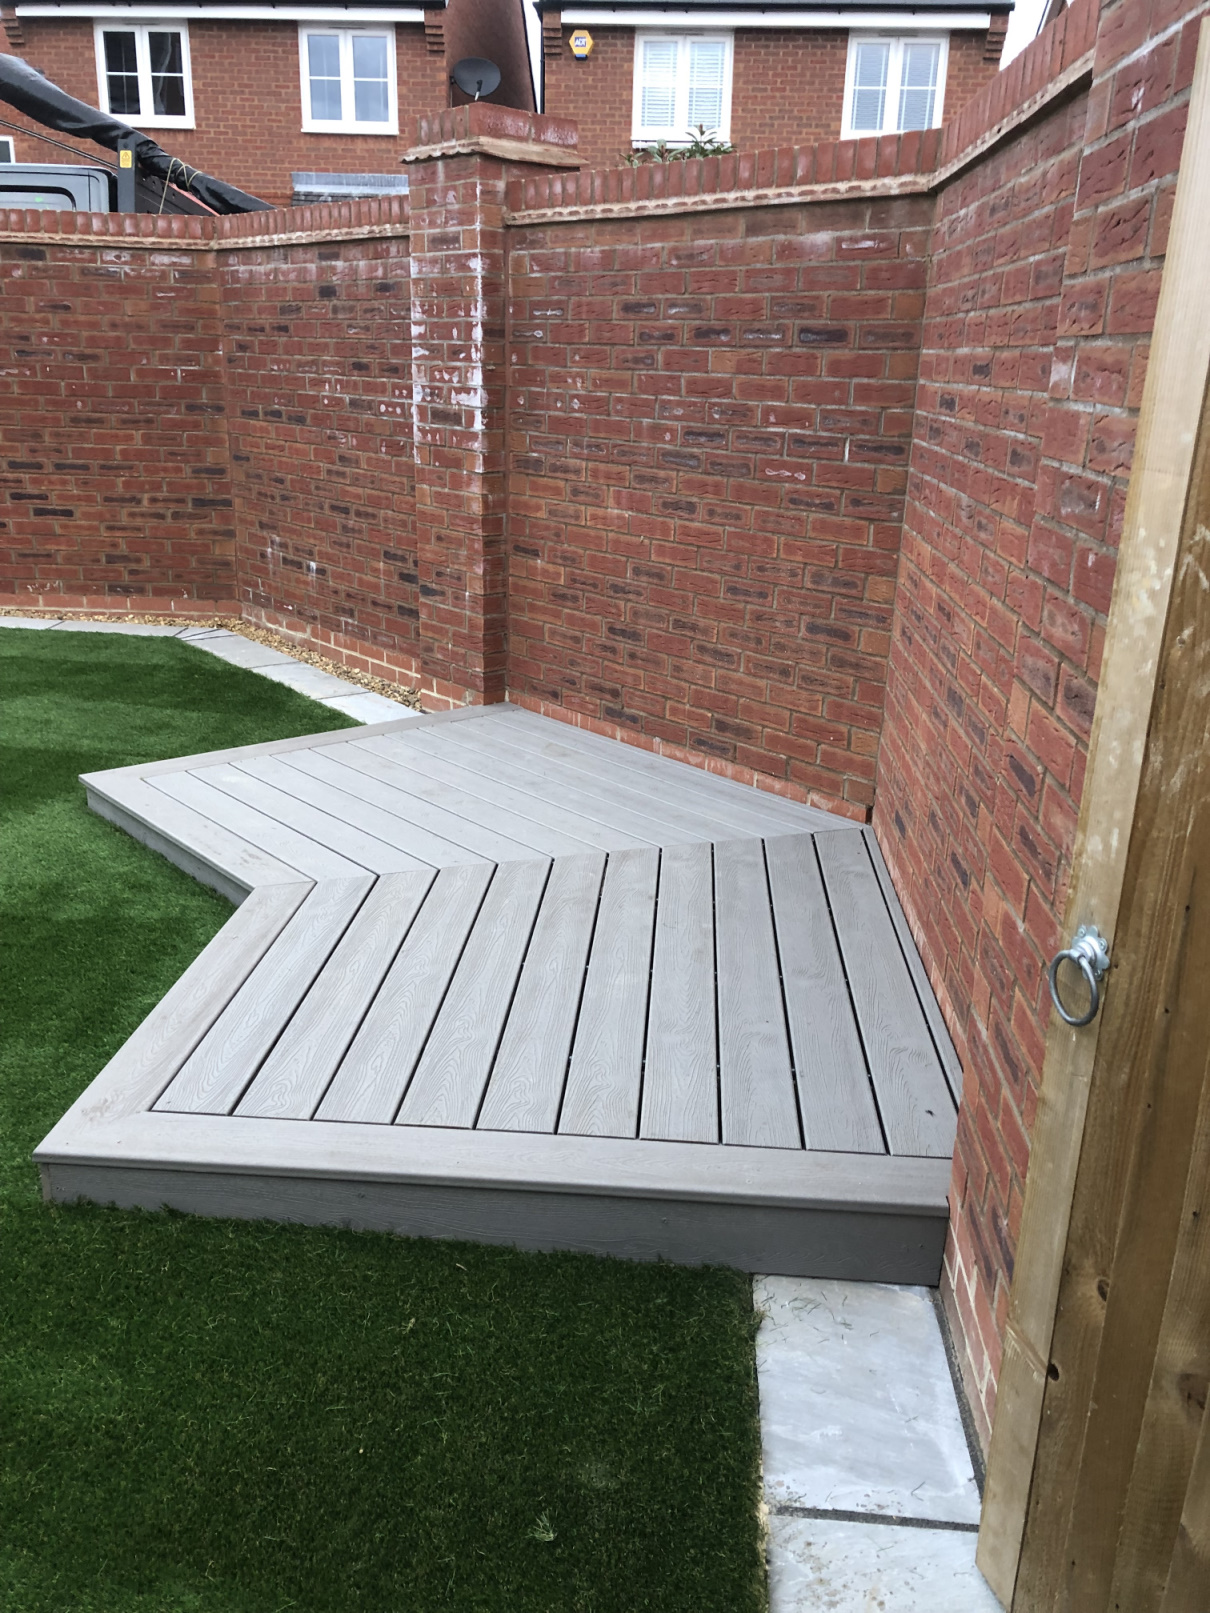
[
  {"x": 317, "y": 349},
  {"x": 247, "y": 102},
  {"x": 787, "y": 87},
  {"x": 115, "y": 477},
  {"x": 976, "y": 827},
  {"x": 710, "y": 422},
  {"x": 1044, "y": 276}
]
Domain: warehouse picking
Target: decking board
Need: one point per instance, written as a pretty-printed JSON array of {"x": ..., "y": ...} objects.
[
  {"x": 662, "y": 774},
  {"x": 604, "y": 1079},
  {"x": 451, "y": 1076},
  {"x": 291, "y": 1083},
  {"x": 531, "y": 1065},
  {"x": 295, "y": 811},
  {"x": 213, "y": 1078},
  {"x": 402, "y": 817},
  {"x": 835, "y": 1097},
  {"x": 666, "y": 818},
  {"x": 503, "y": 978},
  {"x": 546, "y": 825},
  {"x": 374, "y": 1074},
  {"x": 756, "y": 1077},
  {"x": 582, "y": 805},
  {"x": 680, "y": 1072},
  {"x": 913, "y": 1098}
]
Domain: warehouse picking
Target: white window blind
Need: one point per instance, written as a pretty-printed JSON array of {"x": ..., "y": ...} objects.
[
  {"x": 658, "y": 92},
  {"x": 707, "y": 72},
  {"x": 871, "y": 60},
  {"x": 918, "y": 84},
  {"x": 682, "y": 83},
  {"x": 894, "y": 85}
]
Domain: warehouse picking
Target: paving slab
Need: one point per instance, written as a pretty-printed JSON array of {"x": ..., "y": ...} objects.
[
  {"x": 129, "y": 629},
  {"x": 308, "y": 680},
  {"x": 827, "y": 1565},
  {"x": 858, "y": 1411},
  {"x": 369, "y": 707},
  {"x": 28, "y": 621},
  {"x": 246, "y": 653}
]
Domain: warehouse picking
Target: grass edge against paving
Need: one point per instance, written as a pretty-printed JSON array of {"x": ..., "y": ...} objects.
[{"x": 226, "y": 1417}]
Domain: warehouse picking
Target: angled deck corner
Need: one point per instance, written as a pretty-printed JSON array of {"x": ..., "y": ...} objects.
[{"x": 498, "y": 978}]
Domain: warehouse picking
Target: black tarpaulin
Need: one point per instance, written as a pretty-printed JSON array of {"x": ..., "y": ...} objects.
[{"x": 23, "y": 87}]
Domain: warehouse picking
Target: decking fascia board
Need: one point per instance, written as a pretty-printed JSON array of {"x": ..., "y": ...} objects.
[
  {"x": 818, "y": 1241},
  {"x": 146, "y": 1062},
  {"x": 439, "y": 1156},
  {"x": 211, "y": 854}
]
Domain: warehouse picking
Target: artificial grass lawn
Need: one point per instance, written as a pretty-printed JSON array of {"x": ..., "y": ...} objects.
[{"x": 229, "y": 1417}]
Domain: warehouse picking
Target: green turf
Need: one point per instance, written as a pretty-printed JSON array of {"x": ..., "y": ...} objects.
[{"x": 223, "y": 1417}]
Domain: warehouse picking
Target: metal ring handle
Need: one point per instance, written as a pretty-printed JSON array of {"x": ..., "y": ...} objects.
[
  {"x": 1094, "y": 986},
  {"x": 1089, "y": 950}
]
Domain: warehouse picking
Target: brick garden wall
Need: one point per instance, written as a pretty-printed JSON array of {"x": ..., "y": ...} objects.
[
  {"x": 317, "y": 353},
  {"x": 115, "y": 480},
  {"x": 1044, "y": 277},
  {"x": 710, "y": 420},
  {"x": 989, "y": 696}
]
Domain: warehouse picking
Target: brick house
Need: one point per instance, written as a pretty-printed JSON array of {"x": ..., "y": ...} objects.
[
  {"x": 761, "y": 75},
  {"x": 345, "y": 82},
  {"x": 348, "y": 80}
]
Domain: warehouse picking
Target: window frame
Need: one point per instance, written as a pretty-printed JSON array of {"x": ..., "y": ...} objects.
[
  {"x": 894, "y": 77},
  {"x": 639, "y": 137},
  {"x": 345, "y": 34},
  {"x": 7, "y": 140},
  {"x": 140, "y": 30}
]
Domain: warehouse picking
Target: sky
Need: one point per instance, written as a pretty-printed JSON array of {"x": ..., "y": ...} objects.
[{"x": 1022, "y": 28}]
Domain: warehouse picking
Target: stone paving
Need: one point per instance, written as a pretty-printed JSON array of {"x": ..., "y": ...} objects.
[{"x": 868, "y": 1475}]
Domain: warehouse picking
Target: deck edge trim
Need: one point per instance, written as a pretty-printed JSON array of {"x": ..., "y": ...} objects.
[{"x": 435, "y": 1156}]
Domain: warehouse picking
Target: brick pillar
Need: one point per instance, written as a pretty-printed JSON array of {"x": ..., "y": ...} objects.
[{"x": 460, "y": 165}]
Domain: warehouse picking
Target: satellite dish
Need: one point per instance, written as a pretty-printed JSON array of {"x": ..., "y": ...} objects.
[{"x": 475, "y": 76}]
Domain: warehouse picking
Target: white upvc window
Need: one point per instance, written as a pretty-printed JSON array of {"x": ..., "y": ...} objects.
[
  {"x": 348, "y": 80},
  {"x": 682, "y": 82},
  {"x": 7, "y": 150},
  {"x": 894, "y": 83},
  {"x": 143, "y": 73}
]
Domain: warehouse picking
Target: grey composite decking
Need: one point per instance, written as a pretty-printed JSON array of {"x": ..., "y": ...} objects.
[{"x": 493, "y": 976}]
